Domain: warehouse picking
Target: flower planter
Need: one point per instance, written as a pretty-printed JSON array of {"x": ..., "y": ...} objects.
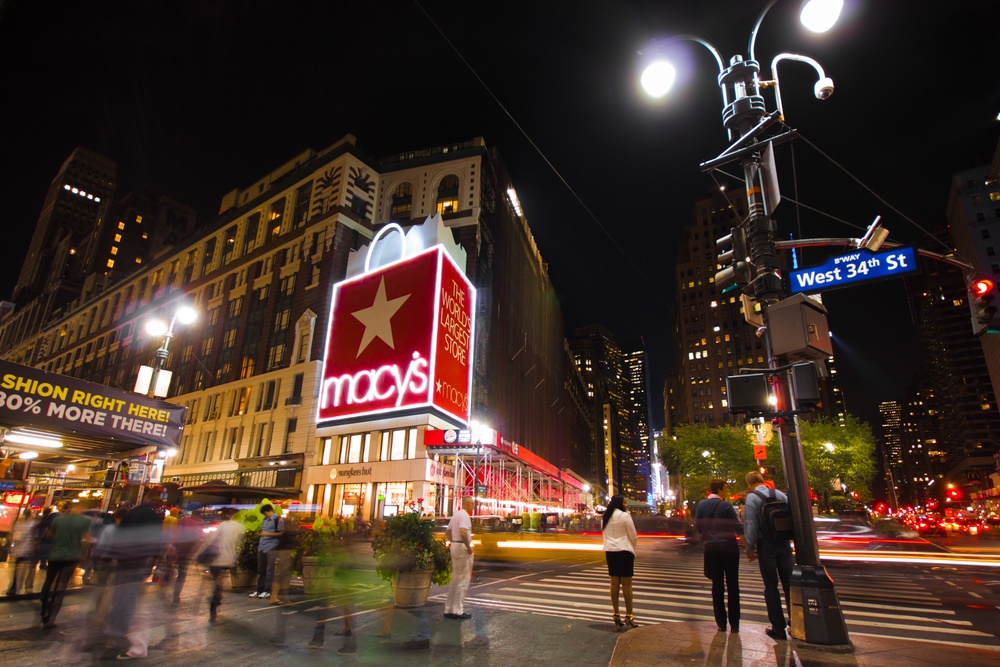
[
  {"x": 317, "y": 579},
  {"x": 242, "y": 578},
  {"x": 410, "y": 589}
]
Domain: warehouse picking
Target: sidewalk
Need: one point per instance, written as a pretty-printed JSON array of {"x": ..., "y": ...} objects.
[{"x": 698, "y": 643}]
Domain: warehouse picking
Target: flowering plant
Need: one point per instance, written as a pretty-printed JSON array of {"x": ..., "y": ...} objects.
[{"x": 408, "y": 545}]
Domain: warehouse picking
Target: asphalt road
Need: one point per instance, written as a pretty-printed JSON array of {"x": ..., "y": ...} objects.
[{"x": 550, "y": 610}]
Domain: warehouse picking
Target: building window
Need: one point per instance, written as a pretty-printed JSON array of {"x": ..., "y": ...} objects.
[
  {"x": 447, "y": 195},
  {"x": 301, "y": 212},
  {"x": 250, "y": 235},
  {"x": 402, "y": 203},
  {"x": 229, "y": 239}
]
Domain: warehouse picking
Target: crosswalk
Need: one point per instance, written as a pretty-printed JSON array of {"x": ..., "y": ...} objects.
[{"x": 889, "y": 605}]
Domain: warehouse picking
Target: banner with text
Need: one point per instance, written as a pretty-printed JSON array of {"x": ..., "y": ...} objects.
[{"x": 50, "y": 402}]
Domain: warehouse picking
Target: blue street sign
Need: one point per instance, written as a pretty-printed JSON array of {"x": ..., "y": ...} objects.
[
  {"x": 853, "y": 267},
  {"x": 8, "y": 486}
]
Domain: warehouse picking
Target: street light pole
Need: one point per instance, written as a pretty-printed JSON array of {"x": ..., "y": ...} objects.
[{"x": 816, "y": 613}]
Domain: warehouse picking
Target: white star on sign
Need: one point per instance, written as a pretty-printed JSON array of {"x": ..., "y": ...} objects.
[{"x": 377, "y": 318}]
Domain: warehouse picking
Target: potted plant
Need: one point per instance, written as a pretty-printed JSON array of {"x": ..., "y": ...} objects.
[
  {"x": 316, "y": 556},
  {"x": 245, "y": 572},
  {"x": 409, "y": 557}
]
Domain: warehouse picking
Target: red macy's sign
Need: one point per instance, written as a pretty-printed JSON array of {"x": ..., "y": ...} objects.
[{"x": 400, "y": 338}]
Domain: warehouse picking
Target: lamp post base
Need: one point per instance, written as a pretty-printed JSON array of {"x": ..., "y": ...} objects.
[{"x": 817, "y": 618}]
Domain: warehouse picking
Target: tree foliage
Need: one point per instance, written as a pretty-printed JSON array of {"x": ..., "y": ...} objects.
[
  {"x": 730, "y": 456},
  {"x": 852, "y": 460}
]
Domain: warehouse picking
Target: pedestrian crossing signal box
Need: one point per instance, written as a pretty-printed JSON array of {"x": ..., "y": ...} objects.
[{"x": 748, "y": 393}]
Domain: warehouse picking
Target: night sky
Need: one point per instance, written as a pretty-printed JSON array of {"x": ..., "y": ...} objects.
[{"x": 193, "y": 99}]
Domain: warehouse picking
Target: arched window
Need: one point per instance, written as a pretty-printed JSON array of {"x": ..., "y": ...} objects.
[
  {"x": 402, "y": 203},
  {"x": 447, "y": 198}
]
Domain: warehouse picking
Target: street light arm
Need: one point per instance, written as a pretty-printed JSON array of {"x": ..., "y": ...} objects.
[
  {"x": 823, "y": 88},
  {"x": 756, "y": 27}
]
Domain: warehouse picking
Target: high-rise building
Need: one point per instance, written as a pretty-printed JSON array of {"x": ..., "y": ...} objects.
[
  {"x": 974, "y": 221},
  {"x": 892, "y": 446},
  {"x": 638, "y": 398},
  {"x": 958, "y": 406},
  {"x": 602, "y": 364},
  {"x": 54, "y": 263}
]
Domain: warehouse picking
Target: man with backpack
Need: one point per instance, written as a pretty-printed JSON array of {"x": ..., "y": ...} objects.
[{"x": 768, "y": 529}]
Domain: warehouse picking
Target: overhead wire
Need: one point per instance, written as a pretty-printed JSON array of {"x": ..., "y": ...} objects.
[{"x": 541, "y": 153}]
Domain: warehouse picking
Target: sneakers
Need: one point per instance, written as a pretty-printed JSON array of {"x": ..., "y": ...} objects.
[
  {"x": 777, "y": 635},
  {"x": 263, "y": 595},
  {"x": 315, "y": 643},
  {"x": 255, "y": 594}
]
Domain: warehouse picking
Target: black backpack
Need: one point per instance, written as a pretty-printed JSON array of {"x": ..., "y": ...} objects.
[{"x": 775, "y": 523}]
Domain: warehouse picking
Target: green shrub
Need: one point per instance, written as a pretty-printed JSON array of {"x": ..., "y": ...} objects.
[{"x": 536, "y": 520}]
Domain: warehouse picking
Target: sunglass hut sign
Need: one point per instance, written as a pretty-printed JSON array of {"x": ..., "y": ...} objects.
[{"x": 400, "y": 338}]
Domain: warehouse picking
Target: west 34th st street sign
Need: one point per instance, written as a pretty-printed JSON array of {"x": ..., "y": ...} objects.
[{"x": 856, "y": 266}]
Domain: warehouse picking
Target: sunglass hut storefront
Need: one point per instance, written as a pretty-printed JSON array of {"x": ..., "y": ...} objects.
[{"x": 398, "y": 361}]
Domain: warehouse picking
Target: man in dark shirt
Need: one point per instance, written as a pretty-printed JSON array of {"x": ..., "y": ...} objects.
[
  {"x": 718, "y": 524},
  {"x": 68, "y": 531}
]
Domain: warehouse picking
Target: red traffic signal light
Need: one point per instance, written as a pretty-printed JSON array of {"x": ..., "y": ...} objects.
[{"x": 982, "y": 298}]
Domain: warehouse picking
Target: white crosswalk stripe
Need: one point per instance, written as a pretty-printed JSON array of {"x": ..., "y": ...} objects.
[{"x": 891, "y": 606}]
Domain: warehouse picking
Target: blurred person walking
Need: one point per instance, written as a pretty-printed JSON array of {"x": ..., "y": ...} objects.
[
  {"x": 68, "y": 532},
  {"x": 219, "y": 552},
  {"x": 187, "y": 538},
  {"x": 620, "y": 540},
  {"x": 460, "y": 533},
  {"x": 773, "y": 555},
  {"x": 25, "y": 544},
  {"x": 43, "y": 539},
  {"x": 270, "y": 537},
  {"x": 138, "y": 542},
  {"x": 717, "y": 523}
]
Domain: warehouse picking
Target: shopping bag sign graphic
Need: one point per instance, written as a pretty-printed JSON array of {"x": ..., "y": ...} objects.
[{"x": 400, "y": 339}]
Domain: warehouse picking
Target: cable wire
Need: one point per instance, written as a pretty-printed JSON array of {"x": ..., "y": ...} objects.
[{"x": 538, "y": 150}]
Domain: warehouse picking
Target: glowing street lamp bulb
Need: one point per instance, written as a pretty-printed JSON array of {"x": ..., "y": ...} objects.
[
  {"x": 156, "y": 327},
  {"x": 186, "y": 314},
  {"x": 829, "y": 446},
  {"x": 706, "y": 453},
  {"x": 773, "y": 400},
  {"x": 820, "y": 15},
  {"x": 658, "y": 78}
]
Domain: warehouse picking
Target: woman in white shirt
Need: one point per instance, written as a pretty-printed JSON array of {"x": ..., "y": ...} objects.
[{"x": 619, "y": 551}]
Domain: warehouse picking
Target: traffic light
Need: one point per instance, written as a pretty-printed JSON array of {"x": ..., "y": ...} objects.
[
  {"x": 734, "y": 268},
  {"x": 982, "y": 303},
  {"x": 766, "y": 470}
]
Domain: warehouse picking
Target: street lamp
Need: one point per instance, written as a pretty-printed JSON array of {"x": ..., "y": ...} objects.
[
  {"x": 154, "y": 381},
  {"x": 816, "y": 613}
]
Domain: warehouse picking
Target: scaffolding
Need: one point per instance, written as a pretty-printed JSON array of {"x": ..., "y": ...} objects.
[{"x": 503, "y": 484}]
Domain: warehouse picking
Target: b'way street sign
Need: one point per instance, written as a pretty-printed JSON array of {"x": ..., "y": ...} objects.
[{"x": 853, "y": 267}]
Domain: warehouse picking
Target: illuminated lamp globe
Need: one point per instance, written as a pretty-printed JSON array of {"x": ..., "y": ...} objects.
[
  {"x": 658, "y": 78},
  {"x": 186, "y": 315},
  {"x": 820, "y": 15},
  {"x": 156, "y": 327}
]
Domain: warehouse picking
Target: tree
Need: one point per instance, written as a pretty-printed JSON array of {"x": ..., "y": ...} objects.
[
  {"x": 842, "y": 451},
  {"x": 729, "y": 456}
]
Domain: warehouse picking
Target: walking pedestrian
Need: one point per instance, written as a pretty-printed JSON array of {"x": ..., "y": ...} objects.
[
  {"x": 270, "y": 537},
  {"x": 773, "y": 556},
  {"x": 24, "y": 547},
  {"x": 187, "y": 538},
  {"x": 717, "y": 523},
  {"x": 138, "y": 541},
  {"x": 620, "y": 540},
  {"x": 43, "y": 538},
  {"x": 68, "y": 532},
  {"x": 219, "y": 553},
  {"x": 460, "y": 533}
]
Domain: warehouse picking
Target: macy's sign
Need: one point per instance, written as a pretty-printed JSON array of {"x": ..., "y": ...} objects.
[{"x": 376, "y": 385}]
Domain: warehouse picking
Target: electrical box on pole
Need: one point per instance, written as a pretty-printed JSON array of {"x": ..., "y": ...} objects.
[{"x": 799, "y": 330}]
